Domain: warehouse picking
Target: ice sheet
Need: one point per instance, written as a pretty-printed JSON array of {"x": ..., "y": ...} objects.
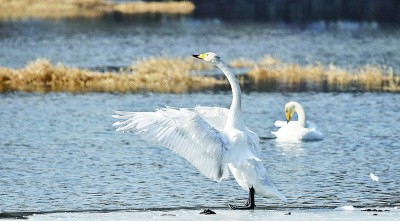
[{"x": 342, "y": 213}]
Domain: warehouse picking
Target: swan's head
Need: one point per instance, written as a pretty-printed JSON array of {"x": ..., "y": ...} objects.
[
  {"x": 210, "y": 57},
  {"x": 290, "y": 108}
]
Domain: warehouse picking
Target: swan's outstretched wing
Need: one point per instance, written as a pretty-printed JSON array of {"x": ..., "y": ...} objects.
[
  {"x": 253, "y": 141},
  {"x": 184, "y": 132},
  {"x": 215, "y": 116}
]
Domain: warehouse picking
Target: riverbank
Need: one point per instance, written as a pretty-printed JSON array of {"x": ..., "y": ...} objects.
[
  {"x": 59, "y": 9},
  {"x": 175, "y": 75}
]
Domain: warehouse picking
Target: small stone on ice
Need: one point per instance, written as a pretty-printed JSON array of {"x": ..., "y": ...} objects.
[{"x": 207, "y": 212}]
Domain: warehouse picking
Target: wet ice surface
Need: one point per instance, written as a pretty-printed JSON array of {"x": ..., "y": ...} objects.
[
  {"x": 59, "y": 152},
  {"x": 182, "y": 214}
]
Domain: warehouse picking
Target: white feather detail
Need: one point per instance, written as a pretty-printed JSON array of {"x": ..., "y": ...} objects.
[
  {"x": 294, "y": 132},
  {"x": 217, "y": 116},
  {"x": 185, "y": 133},
  {"x": 374, "y": 177}
]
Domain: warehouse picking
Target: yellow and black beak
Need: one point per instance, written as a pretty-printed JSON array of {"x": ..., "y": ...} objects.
[
  {"x": 199, "y": 56},
  {"x": 288, "y": 115}
]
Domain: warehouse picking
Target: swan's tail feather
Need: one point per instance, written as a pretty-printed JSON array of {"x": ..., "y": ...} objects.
[
  {"x": 270, "y": 190},
  {"x": 280, "y": 196}
]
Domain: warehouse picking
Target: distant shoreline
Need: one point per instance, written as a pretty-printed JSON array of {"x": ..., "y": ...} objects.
[
  {"x": 59, "y": 9},
  {"x": 175, "y": 75}
]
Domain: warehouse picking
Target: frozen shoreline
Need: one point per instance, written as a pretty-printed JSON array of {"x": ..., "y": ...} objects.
[{"x": 342, "y": 213}]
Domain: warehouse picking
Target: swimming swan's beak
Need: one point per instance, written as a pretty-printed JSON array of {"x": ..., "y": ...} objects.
[
  {"x": 288, "y": 115},
  {"x": 199, "y": 56}
]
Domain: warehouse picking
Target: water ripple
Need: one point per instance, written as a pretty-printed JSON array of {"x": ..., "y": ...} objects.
[{"x": 60, "y": 153}]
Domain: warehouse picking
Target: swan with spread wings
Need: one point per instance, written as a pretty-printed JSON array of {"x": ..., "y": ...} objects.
[{"x": 215, "y": 140}]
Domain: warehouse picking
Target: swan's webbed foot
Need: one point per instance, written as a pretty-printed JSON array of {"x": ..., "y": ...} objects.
[
  {"x": 249, "y": 205},
  {"x": 234, "y": 207}
]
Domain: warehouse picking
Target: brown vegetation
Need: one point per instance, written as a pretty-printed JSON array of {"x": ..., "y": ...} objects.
[
  {"x": 51, "y": 9},
  {"x": 175, "y": 75},
  {"x": 60, "y": 9},
  {"x": 156, "y": 75},
  {"x": 242, "y": 63},
  {"x": 155, "y": 7},
  {"x": 276, "y": 76}
]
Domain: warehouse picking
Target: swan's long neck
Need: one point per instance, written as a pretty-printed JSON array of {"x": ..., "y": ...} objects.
[
  {"x": 301, "y": 115},
  {"x": 234, "y": 119}
]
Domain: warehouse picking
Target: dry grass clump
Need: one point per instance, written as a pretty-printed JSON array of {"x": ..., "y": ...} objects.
[
  {"x": 392, "y": 82},
  {"x": 156, "y": 75},
  {"x": 184, "y": 7},
  {"x": 268, "y": 60},
  {"x": 242, "y": 63},
  {"x": 172, "y": 74},
  {"x": 316, "y": 77},
  {"x": 41, "y": 76},
  {"x": 52, "y": 9},
  {"x": 60, "y": 9}
]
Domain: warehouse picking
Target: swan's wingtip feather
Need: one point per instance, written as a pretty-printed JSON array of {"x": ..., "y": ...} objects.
[
  {"x": 117, "y": 123},
  {"x": 281, "y": 196},
  {"x": 119, "y": 129}
]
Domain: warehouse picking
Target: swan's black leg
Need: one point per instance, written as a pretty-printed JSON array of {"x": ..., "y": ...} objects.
[{"x": 249, "y": 204}]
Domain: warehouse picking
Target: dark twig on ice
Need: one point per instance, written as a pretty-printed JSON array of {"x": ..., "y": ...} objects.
[{"x": 207, "y": 212}]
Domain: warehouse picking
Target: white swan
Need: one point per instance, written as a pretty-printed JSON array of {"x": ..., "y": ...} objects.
[
  {"x": 295, "y": 131},
  {"x": 213, "y": 139}
]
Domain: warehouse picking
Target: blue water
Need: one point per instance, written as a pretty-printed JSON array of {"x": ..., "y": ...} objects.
[
  {"x": 59, "y": 152},
  {"x": 120, "y": 41}
]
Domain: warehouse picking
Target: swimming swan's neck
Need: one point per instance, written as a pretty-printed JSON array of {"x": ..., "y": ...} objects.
[
  {"x": 301, "y": 115},
  {"x": 234, "y": 119}
]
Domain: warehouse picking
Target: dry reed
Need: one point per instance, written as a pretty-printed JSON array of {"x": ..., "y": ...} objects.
[
  {"x": 173, "y": 75},
  {"x": 155, "y": 7},
  {"x": 242, "y": 63},
  {"x": 274, "y": 75},
  {"x": 61, "y": 9},
  {"x": 52, "y": 9},
  {"x": 155, "y": 75}
]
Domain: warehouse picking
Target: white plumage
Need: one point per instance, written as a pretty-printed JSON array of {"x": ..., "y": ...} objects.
[
  {"x": 213, "y": 139},
  {"x": 296, "y": 131},
  {"x": 374, "y": 177},
  {"x": 184, "y": 132}
]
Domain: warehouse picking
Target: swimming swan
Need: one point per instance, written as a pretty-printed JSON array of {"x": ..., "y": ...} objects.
[
  {"x": 213, "y": 139},
  {"x": 295, "y": 131}
]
